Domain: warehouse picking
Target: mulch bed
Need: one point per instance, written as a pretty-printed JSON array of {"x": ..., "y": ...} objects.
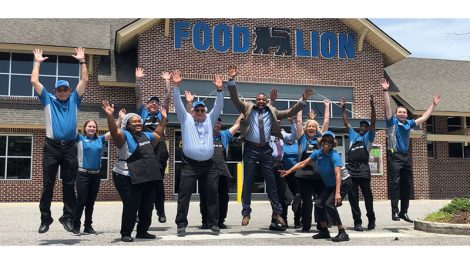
[{"x": 461, "y": 218}]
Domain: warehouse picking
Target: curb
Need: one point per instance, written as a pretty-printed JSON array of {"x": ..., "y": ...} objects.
[{"x": 442, "y": 228}]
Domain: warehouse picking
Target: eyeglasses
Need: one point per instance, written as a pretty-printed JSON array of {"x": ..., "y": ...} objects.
[{"x": 199, "y": 110}]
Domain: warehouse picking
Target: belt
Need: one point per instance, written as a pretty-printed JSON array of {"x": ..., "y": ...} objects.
[
  {"x": 59, "y": 142},
  {"x": 89, "y": 171},
  {"x": 258, "y": 145},
  {"x": 197, "y": 162}
]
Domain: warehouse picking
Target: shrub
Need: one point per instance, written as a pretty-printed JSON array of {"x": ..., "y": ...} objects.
[
  {"x": 457, "y": 205},
  {"x": 439, "y": 217}
]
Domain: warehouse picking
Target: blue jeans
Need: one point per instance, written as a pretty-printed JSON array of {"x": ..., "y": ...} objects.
[{"x": 251, "y": 155}]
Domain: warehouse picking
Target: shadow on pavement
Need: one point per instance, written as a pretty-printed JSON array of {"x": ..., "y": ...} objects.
[{"x": 68, "y": 242}]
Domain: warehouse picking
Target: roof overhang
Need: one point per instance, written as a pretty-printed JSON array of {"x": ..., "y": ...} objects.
[
  {"x": 392, "y": 50},
  {"x": 127, "y": 37},
  {"x": 26, "y": 48}
]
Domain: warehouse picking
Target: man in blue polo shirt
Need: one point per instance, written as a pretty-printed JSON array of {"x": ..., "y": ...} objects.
[
  {"x": 60, "y": 148},
  {"x": 399, "y": 158}
]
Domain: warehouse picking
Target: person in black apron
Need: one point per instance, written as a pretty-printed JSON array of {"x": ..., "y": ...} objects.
[
  {"x": 151, "y": 117},
  {"x": 136, "y": 172},
  {"x": 221, "y": 143},
  {"x": 358, "y": 166}
]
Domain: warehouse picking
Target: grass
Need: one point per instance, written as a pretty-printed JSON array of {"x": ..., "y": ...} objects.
[{"x": 446, "y": 213}]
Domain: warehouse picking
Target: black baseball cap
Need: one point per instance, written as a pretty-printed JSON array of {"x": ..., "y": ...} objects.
[{"x": 153, "y": 98}]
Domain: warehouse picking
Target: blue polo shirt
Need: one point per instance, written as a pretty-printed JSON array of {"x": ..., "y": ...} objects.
[
  {"x": 369, "y": 136},
  {"x": 89, "y": 152},
  {"x": 61, "y": 116},
  {"x": 225, "y": 137},
  {"x": 326, "y": 164},
  {"x": 144, "y": 114},
  {"x": 398, "y": 133},
  {"x": 291, "y": 154}
]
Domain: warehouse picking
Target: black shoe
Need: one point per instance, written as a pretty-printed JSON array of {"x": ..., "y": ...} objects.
[
  {"x": 297, "y": 224},
  {"x": 204, "y": 226},
  {"x": 340, "y": 237},
  {"x": 296, "y": 203},
  {"x": 371, "y": 225},
  {"x": 215, "y": 229},
  {"x": 322, "y": 234},
  {"x": 358, "y": 227},
  {"x": 66, "y": 223},
  {"x": 126, "y": 239},
  {"x": 181, "y": 231},
  {"x": 304, "y": 230},
  {"x": 405, "y": 217},
  {"x": 76, "y": 232},
  {"x": 395, "y": 217},
  {"x": 162, "y": 218},
  {"x": 222, "y": 226},
  {"x": 89, "y": 231},
  {"x": 145, "y": 235},
  {"x": 44, "y": 227},
  {"x": 276, "y": 227}
]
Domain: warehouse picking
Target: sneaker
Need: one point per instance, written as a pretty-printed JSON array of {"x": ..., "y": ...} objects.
[
  {"x": 127, "y": 239},
  {"x": 66, "y": 223},
  {"x": 181, "y": 231},
  {"x": 76, "y": 232},
  {"x": 322, "y": 234},
  {"x": 145, "y": 235},
  {"x": 340, "y": 237},
  {"x": 89, "y": 231}
]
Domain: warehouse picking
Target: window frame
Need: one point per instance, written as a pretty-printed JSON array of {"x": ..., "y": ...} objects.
[{"x": 4, "y": 178}]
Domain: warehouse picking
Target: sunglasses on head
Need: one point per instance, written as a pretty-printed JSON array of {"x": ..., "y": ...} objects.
[{"x": 199, "y": 110}]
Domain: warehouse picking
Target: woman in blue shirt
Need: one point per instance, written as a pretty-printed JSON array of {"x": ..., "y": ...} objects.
[
  {"x": 337, "y": 184},
  {"x": 89, "y": 148}
]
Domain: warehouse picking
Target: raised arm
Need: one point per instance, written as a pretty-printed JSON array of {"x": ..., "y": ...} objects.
[
  {"x": 290, "y": 137},
  {"x": 122, "y": 113},
  {"x": 219, "y": 100},
  {"x": 189, "y": 100},
  {"x": 160, "y": 129},
  {"x": 436, "y": 100},
  {"x": 116, "y": 134},
  {"x": 139, "y": 75},
  {"x": 38, "y": 59},
  {"x": 326, "y": 118},
  {"x": 233, "y": 129},
  {"x": 299, "y": 125},
  {"x": 373, "y": 115},
  {"x": 232, "y": 89},
  {"x": 272, "y": 96},
  {"x": 296, "y": 167},
  {"x": 342, "y": 103},
  {"x": 388, "y": 108},
  {"x": 80, "y": 56},
  {"x": 179, "y": 107},
  {"x": 166, "y": 100},
  {"x": 297, "y": 107}
]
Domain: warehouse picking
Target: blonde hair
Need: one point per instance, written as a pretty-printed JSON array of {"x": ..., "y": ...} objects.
[{"x": 311, "y": 121}]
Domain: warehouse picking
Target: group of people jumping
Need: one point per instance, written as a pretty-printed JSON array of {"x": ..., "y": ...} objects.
[{"x": 299, "y": 167}]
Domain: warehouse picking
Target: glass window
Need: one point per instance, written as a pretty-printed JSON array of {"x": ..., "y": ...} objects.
[
  {"x": 431, "y": 150},
  {"x": 49, "y": 66},
  {"x": 229, "y": 107},
  {"x": 68, "y": 66},
  {"x": 455, "y": 150},
  {"x": 454, "y": 123},
  {"x": 209, "y": 103},
  {"x": 430, "y": 125},
  {"x": 48, "y": 83},
  {"x": 21, "y": 85},
  {"x": 4, "y": 62},
  {"x": 466, "y": 151},
  {"x": 22, "y": 63},
  {"x": 281, "y": 105},
  {"x": 3, "y": 84},
  {"x": 336, "y": 111},
  {"x": 319, "y": 109},
  {"x": 15, "y": 157},
  {"x": 467, "y": 119},
  {"x": 104, "y": 162},
  {"x": 19, "y": 146},
  {"x": 178, "y": 146}
]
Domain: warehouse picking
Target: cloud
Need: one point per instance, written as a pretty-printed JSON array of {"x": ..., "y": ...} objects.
[{"x": 430, "y": 38}]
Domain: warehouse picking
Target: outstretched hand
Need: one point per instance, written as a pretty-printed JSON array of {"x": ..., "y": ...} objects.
[
  {"x": 308, "y": 92},
  {"x": 122, "y": 112},
  {"x": 80, "y": 56},
  {"x": 166, "y": 76},
  {"x": 273, "y": 95},
  {"x": 385, "y": 84},
  {"x": 107, "y": 108},
  {"x": 218, "y": 82},
  {"x": 139, "y": 73},
  {"x": 232, "y": 72},
  {"x": 176, "y": 77},
  {"x": 38, "y": 56},
  {"x": 283, "y": 173},
  {"x": 189, "y": 97},
  {"x": 342, "y": 103},
  {"x": 312, "y": 115},
  {"x": 436, "y": 100},
  {"x": 164, "y": 112}
]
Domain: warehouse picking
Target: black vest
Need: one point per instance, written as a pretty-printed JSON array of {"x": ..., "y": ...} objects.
[
  {"x": 141, "y": 163},
  {"x": 358, "y": 160}
]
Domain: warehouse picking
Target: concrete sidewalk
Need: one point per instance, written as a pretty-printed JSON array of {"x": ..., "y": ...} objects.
[{"x": 20, "y": 222}]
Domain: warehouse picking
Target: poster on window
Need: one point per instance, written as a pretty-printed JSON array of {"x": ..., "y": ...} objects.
[{"x": 375, "y": 160}]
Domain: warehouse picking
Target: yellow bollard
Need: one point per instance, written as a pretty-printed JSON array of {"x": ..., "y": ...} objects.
[{"x": 239, "y": 182}]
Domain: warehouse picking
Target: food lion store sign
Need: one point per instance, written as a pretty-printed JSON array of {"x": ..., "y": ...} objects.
[{"x": 222, "y": 38}]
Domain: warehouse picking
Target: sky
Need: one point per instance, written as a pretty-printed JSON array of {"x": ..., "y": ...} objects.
[{"x": 430, "y": 38}]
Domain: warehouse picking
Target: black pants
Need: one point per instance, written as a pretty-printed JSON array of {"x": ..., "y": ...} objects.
[
  {"x": 135, "y": 197},
  {"x": 327, "y": 211},
  {"x": 88, "y": 186},
  {"x": 204, "y": 171},
  {"x": 308, "y": 189},
  {"x": 293, "y": 185},
  {"x": 65, "y": 156},
  {"x": 400, "y": 180},
  {"x": 223, "y": 190},
  {"x": 160, "y": 192},
  {"x": 284, "y": 194},
  {"x": 353, "y": 197}
]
